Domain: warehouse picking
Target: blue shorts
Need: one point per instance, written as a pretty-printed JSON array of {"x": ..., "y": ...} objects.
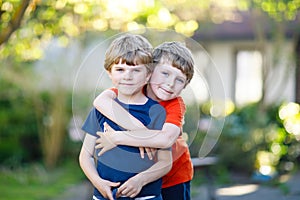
[
  {"x": 180, "y": 191},
  {"x": 128, "y": 198}
]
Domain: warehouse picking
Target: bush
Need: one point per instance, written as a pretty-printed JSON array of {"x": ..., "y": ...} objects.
[
  {"x": 19, "y": 136},
  {"x": 250, "y": 134},
  {"x": 26, "y": 118}
]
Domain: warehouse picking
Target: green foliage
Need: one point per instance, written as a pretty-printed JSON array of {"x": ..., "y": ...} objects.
[
  {"x": 26, "y": 37},
  {"x": 35, "y": 182},
  {"x": 27, "y": 121},
  {"x": 249, "y": 131},
  {"x": 18, "y": 138}
]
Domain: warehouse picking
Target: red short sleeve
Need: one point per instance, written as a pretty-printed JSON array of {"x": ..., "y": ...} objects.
[{"x": 175, "y": 110}]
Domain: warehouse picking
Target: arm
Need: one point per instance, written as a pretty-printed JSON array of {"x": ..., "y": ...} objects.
[
  {"x": 87, "y": 164},
  {"x": 105, "y": 103},
  {"x": 164, "y": 138},
  {"x": 134, "y": 185},
  {"x": 170, "y": 131}
]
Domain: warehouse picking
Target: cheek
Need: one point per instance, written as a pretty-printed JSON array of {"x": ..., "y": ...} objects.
[
  {"x": 156, "y": 79},
  {"x": 178, "y": 89}
]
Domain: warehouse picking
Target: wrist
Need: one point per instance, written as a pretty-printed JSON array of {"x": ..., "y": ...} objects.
[
  {"x": 115, "y": 139},
  {"x": 142, "y": 179}
]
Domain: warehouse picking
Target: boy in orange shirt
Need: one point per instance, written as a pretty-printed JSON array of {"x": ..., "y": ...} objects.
[{"x": 174, "y": 68}]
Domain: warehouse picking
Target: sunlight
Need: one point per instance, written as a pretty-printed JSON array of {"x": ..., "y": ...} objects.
[
  {"x": 290, "y": 114},
  {"x": 289, "y": 110},
  {"x": 237, "y": 190},
  {"x": 100, "y": 24},
  {"x": 187, "y": 28}
]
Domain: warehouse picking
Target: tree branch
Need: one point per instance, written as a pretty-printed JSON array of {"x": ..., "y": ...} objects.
[{"x": 14, "y": 22}]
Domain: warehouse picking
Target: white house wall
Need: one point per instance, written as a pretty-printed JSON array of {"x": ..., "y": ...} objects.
[{"x": 280, "y": 84}]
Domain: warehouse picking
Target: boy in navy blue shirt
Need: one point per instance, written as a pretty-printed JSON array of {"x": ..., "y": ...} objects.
[{"x": 128, "y": 62}]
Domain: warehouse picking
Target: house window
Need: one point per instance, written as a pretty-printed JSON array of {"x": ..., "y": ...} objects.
[{"x": 248, "y": 85}]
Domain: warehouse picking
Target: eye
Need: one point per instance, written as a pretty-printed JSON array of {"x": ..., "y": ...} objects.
[
  {"x": 180, "y": 80},
  {"x": 119, "y": 69},
  {"x": 165, "y": 73},
  {"x": 136, "y": 70}
]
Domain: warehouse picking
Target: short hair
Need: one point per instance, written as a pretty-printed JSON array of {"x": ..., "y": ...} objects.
[
  {"x": 176, "y": 54},
  {"x": 130, "y": 49}
]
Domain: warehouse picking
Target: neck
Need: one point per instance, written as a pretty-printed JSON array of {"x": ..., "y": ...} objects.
[
  {"x": 138, "y": 98},
  {"x": 151, "y": 94}
]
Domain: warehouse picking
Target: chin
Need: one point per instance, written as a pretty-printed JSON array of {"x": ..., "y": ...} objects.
[{"x": 163, "y": 97}]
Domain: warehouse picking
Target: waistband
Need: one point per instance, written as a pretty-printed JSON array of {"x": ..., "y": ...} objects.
[{"x": 127, "y": 198}]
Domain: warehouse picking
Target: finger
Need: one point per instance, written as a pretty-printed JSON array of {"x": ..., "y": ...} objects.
[
  {"x": 105, "y": 125},
  {"x": 101, "y": 152},
  {"x": 149, "y": 153},
  {"x": 99, "y": 133},
  {"x": 133, "y": 195},
  {"x": 110, "y": 195},
  {"x": 115, "y": 184},
  {"x": 118, "y": 193},
  {"x": 142, "y": 153},
  {"x": 99, "y": 146},
  {"x": 109, "y": 128},
  {"x": 125, "y": 192},
  {"x": 153, "y": 150}
]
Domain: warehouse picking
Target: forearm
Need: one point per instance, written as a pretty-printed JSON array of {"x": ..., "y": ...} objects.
[
  {"x": 164, "y": 138},
  {"x": 87, "y": 165},
  {"x": 159, "y": 169},
  {"x": 106, "y": 104}
]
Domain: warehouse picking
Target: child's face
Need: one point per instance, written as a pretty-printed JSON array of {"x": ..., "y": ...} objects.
[
  {"x": 129, "y": 79},
  {"x": 167, "y": 82}
]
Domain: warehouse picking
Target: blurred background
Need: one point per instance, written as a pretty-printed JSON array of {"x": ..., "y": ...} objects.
[{"x": 245, "y": 96}]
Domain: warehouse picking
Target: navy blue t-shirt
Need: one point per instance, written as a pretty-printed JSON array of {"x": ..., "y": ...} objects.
[{"x": 123, "y": 162}]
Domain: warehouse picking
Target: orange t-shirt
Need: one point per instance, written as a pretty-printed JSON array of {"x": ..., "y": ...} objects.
[{"x": 182, "y": 168}]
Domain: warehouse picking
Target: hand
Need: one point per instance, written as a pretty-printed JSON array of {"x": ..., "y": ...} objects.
[
  {"x": 131, "y": 187},
  {"x": 104, "y": 140},
  {"x": 150, "y": 152},
  {"x": 105, "y": 187}
]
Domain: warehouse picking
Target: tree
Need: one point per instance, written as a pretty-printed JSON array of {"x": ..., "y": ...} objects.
[
  {"x": 34, "y": 23},
  {"x": 27, "y": 27}
]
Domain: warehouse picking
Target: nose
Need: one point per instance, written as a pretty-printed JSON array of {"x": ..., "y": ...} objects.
[
  {"x": 171, "y": 81},
  {"x": 127, "y": 75}
]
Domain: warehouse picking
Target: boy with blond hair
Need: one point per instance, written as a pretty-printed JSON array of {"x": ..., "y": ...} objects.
[
  {"x": 121, "y": 173},
  {"x": 174, "y": 69}
]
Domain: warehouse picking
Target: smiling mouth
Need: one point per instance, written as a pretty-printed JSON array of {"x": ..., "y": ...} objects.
[
  {"x": 126, "y": 84},
  {"x": 167, "y": 91}
]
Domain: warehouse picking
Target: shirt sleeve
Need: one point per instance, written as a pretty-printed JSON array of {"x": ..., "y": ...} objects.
[
  {"x": 91, "y": 124},
  {"x": 175, "y": 110},
  {"x": 115, "y": 90}
]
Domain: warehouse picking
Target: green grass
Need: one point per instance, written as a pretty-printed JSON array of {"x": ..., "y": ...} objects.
[{"x": 34, "y": 182}]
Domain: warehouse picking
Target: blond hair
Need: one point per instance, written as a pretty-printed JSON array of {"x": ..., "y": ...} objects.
[
  {"x": 176, "y": 54},
  {"x": 130, "y": 49}
]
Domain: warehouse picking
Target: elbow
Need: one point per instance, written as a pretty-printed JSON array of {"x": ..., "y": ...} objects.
[
  {"x": 95, "y": 102},
  {"x": 167, "y": 141}
]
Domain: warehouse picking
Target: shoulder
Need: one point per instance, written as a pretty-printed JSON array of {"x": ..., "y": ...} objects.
[{"x": 176, "y": 103}]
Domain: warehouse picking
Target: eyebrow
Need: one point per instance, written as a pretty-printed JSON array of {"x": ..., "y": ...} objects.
[{"x": 130, "y": 66}]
